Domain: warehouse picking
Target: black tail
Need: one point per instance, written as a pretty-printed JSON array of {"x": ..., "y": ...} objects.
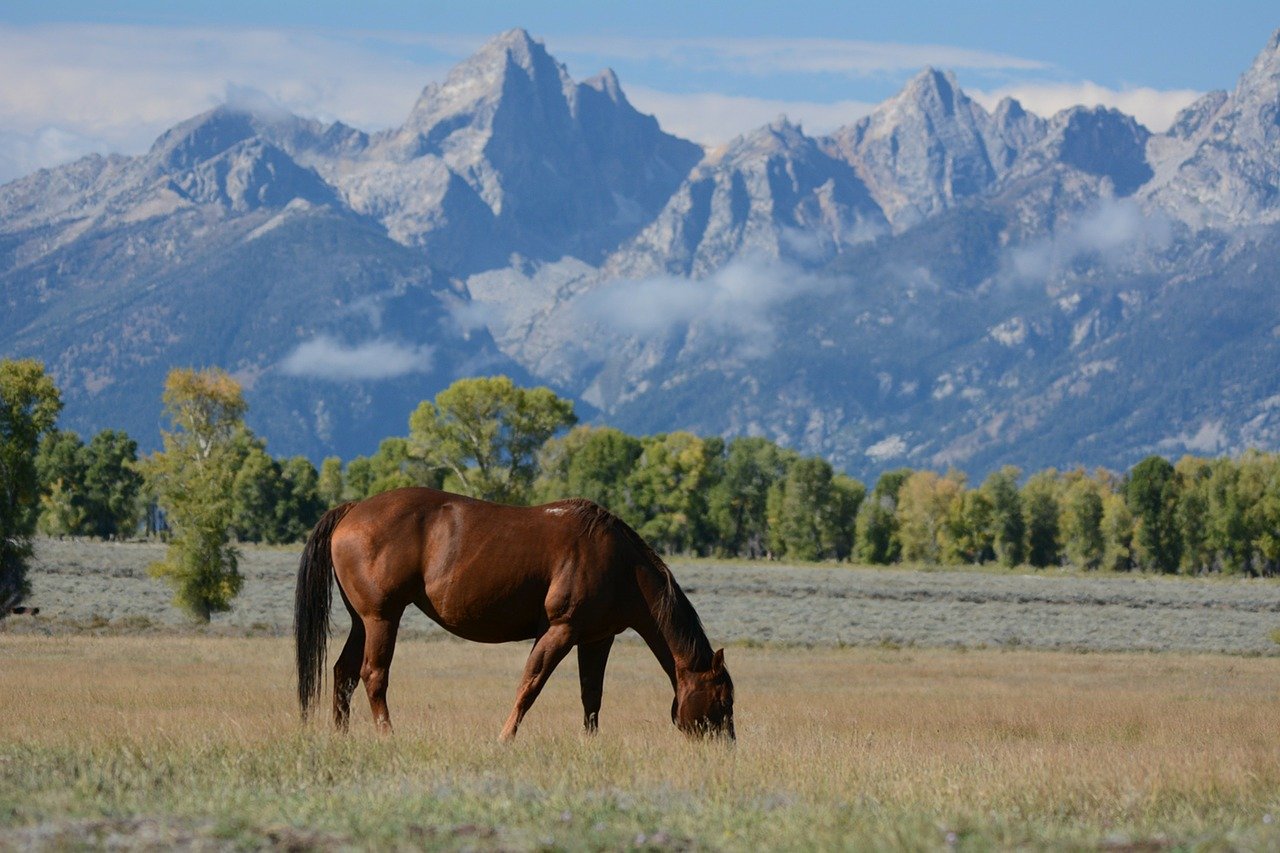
[{"x": 311, "y": 608}]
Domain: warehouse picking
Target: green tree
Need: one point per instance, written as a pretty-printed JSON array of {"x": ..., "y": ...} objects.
[
  {"x": 1259, "y": 484},
  {"x": 1152, "y": 496},
  {"x": 840, "y": 518},
  {"x": 738, "y": 502},
  {"x": 89, "y": 490},
  {"x": 29, "y": 407},
  {"x": 113, "y": 484},
  {"x": 359, "y": 478},
  {"x": 668, "y": 485},
  {"x": 194, "y": 478},
  {"x": 330, "y": 486},
  {"x": 812, "y": 511},
  {"x": 1192, "y": 514},
  {"x": 1040, "y": 507},
  {"x": 1228, "y": 538},
  {"x": 61, "y": 463},
  {"x": 301, "y": 506},
  {"x": 926, "y": 505},
  {"x": 876, "y": 534},
  {"x": 589, "y": 462},
  {"x": 485, "y": 433},
  {"x": 255, "y": 493},
  {"x": 973, "y": 536},
  {"x": 1009, "y": 529},
  {"x": 1083, "y": 542},
  {"x": 1117, "y": 533}
]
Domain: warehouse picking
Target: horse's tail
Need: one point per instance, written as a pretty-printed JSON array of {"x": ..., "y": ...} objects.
[{"x": 311, "y": 607}]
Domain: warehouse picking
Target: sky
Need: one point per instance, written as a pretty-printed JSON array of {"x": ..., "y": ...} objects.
[{"x": 82, "y": 77}]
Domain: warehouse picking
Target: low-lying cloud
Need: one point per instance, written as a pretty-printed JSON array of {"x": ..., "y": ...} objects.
[
  {"x": 324, "y": 357},
  {"x": 768, "y": 56},
  {"x": 1110, "y": 232},
  {"x": 1154, "y": 108},
  {"x": 117, "y": 87},
  {"x": 737, "y": 303},
  {"x": 711, "y": 118}
]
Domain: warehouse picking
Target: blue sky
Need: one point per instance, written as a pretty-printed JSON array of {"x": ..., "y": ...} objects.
[{"x": 93, "y": 76}]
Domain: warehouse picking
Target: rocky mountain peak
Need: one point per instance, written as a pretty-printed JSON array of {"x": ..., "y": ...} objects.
[
  {"x": 1192, "y": 117},
  {"x": 1102, "y": 141},
  {"x": 924, "y": 149},
  {"x": 204, "y": 136},
  {"x": 509, "y": 65},
  {"x": 930, "y": 90},
  {"x": 606, "y": 82},
  {"x": 1221, "y": 161}
]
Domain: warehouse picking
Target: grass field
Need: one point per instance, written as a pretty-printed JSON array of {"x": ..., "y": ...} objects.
[{"x": 186, "y": 740}]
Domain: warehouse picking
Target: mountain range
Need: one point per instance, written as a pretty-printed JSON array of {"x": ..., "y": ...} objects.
[{"x": 933, "y": 284}]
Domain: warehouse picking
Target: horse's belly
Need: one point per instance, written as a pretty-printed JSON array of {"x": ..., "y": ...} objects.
[{"x": 489, "y": 620}]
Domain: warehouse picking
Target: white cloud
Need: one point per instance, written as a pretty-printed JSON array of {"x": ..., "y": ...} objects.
[
  {"x": 711, "y": 119},
  {"x": 116, "y": 88},
  {"x": 1111, "y": 232},
  {"x": 736, "y": 303},
  {"x": 326, "y": 358},
  {"x": 769, "y": 56},
  {"x": 1155, "y": 108}
]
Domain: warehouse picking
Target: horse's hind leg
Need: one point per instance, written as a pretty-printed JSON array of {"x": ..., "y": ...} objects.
[
  {"x": 547, "y": 653},
  {"x": 379, "y": 646},
  {"x": 592, "y": 658},
  {"x": 346, "y": 673}
]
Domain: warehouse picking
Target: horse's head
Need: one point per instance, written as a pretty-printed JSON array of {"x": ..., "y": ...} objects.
[{"x": 704, "y": 701}]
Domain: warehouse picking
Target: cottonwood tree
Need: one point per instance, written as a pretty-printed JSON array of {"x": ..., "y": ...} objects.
[
  {"x": 1008, "y": 526},
  {"x": 877, "y": 525},
  {"x": 738, "y": 503},
  {"x": 669, "y": 486},
  {"x": 1152, "y": 496},
  {"x": 29, "y": 407},
  {"x": 1040, "y": 507},
  {"x": 194, "y": 479},
  {"x": 485, "y": 432},
  {"x": 590, "y": 462}
]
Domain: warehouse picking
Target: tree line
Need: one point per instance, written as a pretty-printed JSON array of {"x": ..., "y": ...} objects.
[{"x": 214, "y": 484}]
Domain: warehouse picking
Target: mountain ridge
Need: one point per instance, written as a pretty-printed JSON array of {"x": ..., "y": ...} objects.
[{"x": 933, "y": 283}]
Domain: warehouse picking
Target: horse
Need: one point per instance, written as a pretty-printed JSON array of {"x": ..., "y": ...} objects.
[{"x": 563, "y": 574}]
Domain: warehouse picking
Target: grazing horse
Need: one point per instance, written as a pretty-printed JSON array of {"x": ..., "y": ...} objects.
[{"x": 563, "y": 574}]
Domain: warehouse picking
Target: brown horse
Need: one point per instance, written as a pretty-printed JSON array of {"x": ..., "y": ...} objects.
[{"x": 563, "y": 574}]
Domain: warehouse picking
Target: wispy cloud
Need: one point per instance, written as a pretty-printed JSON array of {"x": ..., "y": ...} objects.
[
  {"x": 324, "y": 357},
  {"x": 1110, "y": 232},
  {"x": 74, "y": 88},
  {"x": 711, "y": 118},
  {"x": 1155, "y": 108},
  {"x": 767, "y": 56},
  {"x": 737, "y": 303}
]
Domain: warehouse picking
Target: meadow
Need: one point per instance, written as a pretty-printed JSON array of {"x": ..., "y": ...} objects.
[{"x": 124, "y": 729}]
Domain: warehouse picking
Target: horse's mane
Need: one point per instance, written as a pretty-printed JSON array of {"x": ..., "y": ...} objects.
[{"x": 677, "y": 619}]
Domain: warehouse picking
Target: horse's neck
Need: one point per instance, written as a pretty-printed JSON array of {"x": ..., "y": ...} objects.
[{"x": 675, "y": 622}]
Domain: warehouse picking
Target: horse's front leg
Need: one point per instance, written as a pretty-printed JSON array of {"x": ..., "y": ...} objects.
[
  {"x": 592, "y": 658},
  {"x": 547, "y": 653}
]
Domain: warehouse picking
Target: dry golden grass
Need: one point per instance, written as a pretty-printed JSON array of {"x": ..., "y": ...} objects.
[{"x": 838, "y": 748}]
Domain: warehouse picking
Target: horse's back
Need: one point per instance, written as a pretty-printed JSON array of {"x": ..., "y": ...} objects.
[{"x": 484, "y": 571}]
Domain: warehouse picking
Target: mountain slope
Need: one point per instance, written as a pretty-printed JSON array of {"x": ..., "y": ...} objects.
[{"x": 933, "y": 284}]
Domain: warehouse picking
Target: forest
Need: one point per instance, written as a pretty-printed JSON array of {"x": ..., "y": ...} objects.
[{"x": 215, "y": 483}]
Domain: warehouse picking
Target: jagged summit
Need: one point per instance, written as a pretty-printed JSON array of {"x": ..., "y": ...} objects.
[
  {"x": 933, "y": 284},
  {"x": 927, "y": 147},
  {"x": 1220, "y": 164},
  {"x": 607, "y": 83}
]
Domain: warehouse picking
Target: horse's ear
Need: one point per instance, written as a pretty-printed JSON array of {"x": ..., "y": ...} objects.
[{"x": 717, "y": 661}]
